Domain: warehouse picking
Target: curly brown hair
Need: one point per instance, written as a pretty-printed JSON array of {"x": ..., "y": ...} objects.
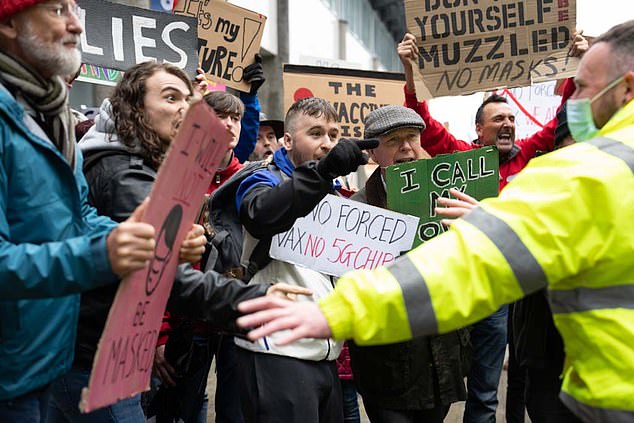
[{"x": 130, "y": 122}]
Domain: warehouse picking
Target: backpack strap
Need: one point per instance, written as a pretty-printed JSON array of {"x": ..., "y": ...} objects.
[{"x": 260, "y": 255}]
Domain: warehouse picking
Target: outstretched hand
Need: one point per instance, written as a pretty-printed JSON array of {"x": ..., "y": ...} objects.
[
  {"x": 273, "y": 313},
  {"x": 455, "y": 208},
  {"x": 290, "y": 292}
]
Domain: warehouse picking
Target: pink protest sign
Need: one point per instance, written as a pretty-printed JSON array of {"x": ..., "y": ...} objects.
[{"x": 123, "y": 363}]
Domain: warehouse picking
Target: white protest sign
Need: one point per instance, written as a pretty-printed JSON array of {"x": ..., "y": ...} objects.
[
  {"x": 340, "y": 235},
  {"x": 533, "y": 106}
]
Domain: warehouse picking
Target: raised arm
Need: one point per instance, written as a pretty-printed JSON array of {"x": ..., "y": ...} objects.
[{"x": 435, "y": 139}]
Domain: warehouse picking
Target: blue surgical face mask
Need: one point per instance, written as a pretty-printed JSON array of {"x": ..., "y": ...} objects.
[{"x": 579, "y": 114}]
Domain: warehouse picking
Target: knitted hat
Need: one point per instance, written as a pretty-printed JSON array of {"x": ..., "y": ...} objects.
[
  {"x": 561, "y": 131},
  {"x": 11, "y": 7},
  {"x": 389, "y": 118}
]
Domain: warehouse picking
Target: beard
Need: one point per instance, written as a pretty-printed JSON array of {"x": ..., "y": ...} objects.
[{"x": 54, "y": 57}]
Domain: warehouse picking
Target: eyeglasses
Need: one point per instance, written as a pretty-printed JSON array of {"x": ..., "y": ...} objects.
[{"x": 61, "y": 9}]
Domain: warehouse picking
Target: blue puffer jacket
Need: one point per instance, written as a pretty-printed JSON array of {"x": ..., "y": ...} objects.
[{"x": 52, "y": 246}]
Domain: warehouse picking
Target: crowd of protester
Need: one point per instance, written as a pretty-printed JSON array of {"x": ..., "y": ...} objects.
[{"x": 71, "y": 229}]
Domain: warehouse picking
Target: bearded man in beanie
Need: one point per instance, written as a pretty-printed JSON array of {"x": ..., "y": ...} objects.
[{"x": 52, "y": 243}]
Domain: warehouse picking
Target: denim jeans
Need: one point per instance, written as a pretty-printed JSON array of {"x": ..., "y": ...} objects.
[
  {"x": 516, "y": 380},
  {"x": 488, "y": 338},
  {"x": 28, "y": 408},
  {"x": 64, "y": 403},
  {"x": 350, "y": 402}
]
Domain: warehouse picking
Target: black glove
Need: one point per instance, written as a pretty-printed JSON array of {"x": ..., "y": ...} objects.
[
  {"x": 345, "y": 157},
  {"x": 254, "y": 74}
]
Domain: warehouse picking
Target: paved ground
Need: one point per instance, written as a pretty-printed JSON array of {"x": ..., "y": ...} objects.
[{"x": 454, "y": 416}]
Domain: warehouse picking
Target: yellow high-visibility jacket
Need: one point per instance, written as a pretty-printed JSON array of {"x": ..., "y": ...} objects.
[{"x": 566, "y": 222}]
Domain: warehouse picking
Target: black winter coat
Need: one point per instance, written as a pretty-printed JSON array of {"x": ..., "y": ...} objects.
[
  {"x": 536, "y": 340},
  {"x": 118, "y": 183},
  {"x": 420, "y": 374}
]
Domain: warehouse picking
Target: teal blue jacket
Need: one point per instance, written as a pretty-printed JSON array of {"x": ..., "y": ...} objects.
[{"x": 52, "y": 246}]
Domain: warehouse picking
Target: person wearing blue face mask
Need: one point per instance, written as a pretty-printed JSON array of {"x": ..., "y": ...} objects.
[
  {"x": 604, "y": 86},
  {"x": 581, "y": 119}
]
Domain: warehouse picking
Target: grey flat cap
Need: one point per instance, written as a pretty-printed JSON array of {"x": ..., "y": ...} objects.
[{"x": 388, "y": 118}]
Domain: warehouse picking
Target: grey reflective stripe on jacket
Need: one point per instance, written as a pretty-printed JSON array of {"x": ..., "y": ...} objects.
[
  {"x": 615, "y": 148},
  {"x": 586, "y": 299},
  {"x": 527, "y": 270},
  {"x": 420, "y": 313},
  {"x": 592, "y": 414}
]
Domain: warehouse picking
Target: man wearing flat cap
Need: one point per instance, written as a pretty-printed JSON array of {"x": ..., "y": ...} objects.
[
  {"x": 435, "y": 365},
  {"x": 52, "y": 243}
]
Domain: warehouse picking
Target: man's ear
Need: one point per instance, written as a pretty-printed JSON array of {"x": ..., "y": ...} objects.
[
  {"x": 372, "y": 155},
  {"x": 629, "y": 90},
  {"x": 478, "y": 129},
  {"x": 287, "y": 141},
  {"x": 8, "y": 30}
]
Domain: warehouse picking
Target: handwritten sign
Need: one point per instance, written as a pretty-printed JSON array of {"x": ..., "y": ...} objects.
[
  {"x": 533, "y": 106},
  {"x": 123, "y": 363},
  {"x": 478, "y": 45},
  {"x": 117, "y": 36},
  {"x": 340, "y": 235},
  {"x": 415, "y": 187},
  {"x": 353, "y": 93},
  {"x": 228, "y": 38}
]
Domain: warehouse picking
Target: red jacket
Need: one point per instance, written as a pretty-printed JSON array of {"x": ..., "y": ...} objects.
[
  {"x": 436, "y": 139},
  {"x": 169, "y": 320},
  {"x": 222, "y": 175}
]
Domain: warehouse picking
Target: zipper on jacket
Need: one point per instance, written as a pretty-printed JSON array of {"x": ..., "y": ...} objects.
[{"x": 332, "y": 282}]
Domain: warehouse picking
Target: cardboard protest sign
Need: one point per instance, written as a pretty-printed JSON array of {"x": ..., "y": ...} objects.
[
  {"x": 117, "y": 36},
  {"x": 478, "y": 45},
  {"x": 414, "y": 187},
  {"x": 340, "y": 235},
  {"x": 353, "y": 93},
  {"x": 533, "y": 106},
  {"x": 228, "y": 38},
  {"x": 123, "y": 363}
]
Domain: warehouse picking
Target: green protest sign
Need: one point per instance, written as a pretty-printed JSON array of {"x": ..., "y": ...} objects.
[{"x": 413, "y": 188}]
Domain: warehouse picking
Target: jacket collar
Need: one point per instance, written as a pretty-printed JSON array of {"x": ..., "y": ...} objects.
[
  {"x": 232, "y": 167},
  {"x": 26, "y": 124},
  {"x": 375, "y": 190},
  {"x": 620, "y": 120},
  {"x": 283, "y": 162}
]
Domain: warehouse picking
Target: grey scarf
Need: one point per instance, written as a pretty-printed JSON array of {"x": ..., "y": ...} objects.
[{"x": 46, "y": 97}]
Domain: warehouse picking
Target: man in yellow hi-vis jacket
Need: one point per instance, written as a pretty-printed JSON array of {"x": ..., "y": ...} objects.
[{"x": 565, "y": 223}]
